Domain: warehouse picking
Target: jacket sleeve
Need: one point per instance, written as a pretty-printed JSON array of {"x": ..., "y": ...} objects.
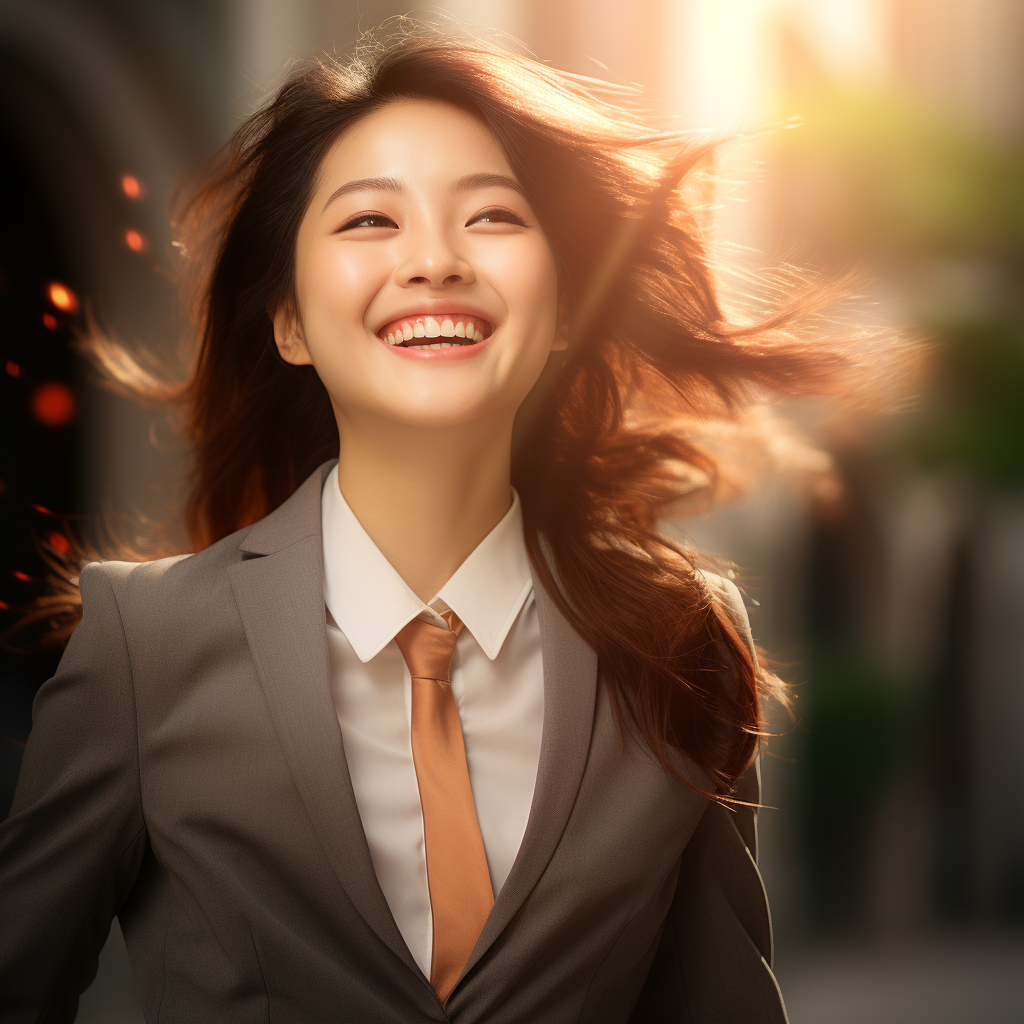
[
  {"x": 714, "y": 957},
  {"x": 74, "y": 841}
]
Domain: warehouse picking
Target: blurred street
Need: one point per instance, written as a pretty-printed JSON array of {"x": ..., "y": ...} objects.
[{"x": 941, "y": 982}]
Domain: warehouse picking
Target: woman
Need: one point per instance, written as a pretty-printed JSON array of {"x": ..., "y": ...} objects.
[{"x": 435, "y": 725}]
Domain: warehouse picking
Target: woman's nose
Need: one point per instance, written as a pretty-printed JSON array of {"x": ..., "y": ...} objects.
[{"x": 431, "y": 259}]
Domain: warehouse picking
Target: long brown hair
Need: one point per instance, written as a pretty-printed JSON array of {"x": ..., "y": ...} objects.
[{"x": 599, "y": 457}]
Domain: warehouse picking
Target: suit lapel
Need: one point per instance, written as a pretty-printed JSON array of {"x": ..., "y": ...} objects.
[
  {"x": 570, "y": 692},
  {"x": 280, "y": 599},
  {"x": 281, "y": 603}
]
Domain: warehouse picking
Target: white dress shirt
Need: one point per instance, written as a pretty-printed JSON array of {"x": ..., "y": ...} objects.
[{"x": 497, "y": 680}]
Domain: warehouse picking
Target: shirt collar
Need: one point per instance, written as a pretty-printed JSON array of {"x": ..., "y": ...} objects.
[{"x": 370, "y": 602}]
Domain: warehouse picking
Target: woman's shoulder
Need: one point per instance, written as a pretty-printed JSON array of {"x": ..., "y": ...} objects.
[
  {"x": 728, "y": 596},
  {"x": 189, "y": 565},
  {"x": 723, "y": 591},
  {"x": 164, "y": 587}
]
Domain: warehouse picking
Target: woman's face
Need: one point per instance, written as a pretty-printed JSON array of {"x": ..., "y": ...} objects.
[{"x": 426, "y": 291}]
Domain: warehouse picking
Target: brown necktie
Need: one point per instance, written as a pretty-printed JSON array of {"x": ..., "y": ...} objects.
[{"x": 460, "y": 885}]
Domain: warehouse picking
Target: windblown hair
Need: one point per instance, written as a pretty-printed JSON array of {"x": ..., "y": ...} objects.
[{"x": 599, "y": 456}]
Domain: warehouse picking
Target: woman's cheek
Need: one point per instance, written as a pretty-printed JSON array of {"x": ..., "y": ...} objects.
[
  {"x": 536, "y": 279},
  {"x": 343, "y": 278},
  {"x": 525, "y": 275}
]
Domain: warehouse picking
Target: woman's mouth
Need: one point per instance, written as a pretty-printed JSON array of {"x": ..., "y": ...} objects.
[{"x": 447, "y": 330}]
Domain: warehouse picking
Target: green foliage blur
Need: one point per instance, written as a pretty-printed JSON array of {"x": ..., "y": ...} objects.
[
  {"x": 881, "y": 179},
  {"x": 887, "y": 178},
  {"x": 978, "y": 422}
]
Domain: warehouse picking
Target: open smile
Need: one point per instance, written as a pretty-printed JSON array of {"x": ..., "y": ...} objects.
[{"x": 436, "y": 332}]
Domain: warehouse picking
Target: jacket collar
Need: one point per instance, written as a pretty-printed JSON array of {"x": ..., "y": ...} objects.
[
  {"x": 370, "y": 602},
  {"x": 280, "y": 599},
  {"x": 570, "y": 698},
  {"x": 281, "y": 604},
  {"x": 296, "y": 519}
]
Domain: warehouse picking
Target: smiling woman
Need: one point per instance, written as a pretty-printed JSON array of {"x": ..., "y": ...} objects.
[
  {"x": 434, "y": 724},
  {"x": 398, "y": 238},
  {"x": 420, "y": 250}
]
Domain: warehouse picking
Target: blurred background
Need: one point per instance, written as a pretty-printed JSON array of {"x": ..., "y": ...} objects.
[{"x": 894, "y": 859}]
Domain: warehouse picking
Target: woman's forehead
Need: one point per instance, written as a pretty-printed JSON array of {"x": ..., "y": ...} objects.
[{"x": 413, "y": 139}]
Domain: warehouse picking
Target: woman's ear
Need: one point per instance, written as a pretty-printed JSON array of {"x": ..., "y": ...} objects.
[{"x": 288, "y": 335}]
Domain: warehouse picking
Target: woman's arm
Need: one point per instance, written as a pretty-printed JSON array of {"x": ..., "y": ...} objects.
[
  {"x": 72, "y": 846},
  {"x": 713, "y": 963}
]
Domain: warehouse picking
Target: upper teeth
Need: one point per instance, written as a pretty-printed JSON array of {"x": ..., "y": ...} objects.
[{"x": 431, "y": 327}]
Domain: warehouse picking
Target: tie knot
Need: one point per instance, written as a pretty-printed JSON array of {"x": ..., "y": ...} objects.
[{"x": 428, "y": 649}]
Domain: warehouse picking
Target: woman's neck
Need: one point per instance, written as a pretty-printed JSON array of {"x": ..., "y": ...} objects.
[{"x": 426, "y": 497}]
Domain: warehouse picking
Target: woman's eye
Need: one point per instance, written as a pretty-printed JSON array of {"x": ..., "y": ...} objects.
[
  {"x": 369, "y": 220},
  {"x": 498, "y": 216}
]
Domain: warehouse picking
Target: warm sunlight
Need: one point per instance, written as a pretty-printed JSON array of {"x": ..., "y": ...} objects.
[{"x": 722, "y": 66}]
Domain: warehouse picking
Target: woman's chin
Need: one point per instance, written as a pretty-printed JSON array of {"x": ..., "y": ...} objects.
[{"x": 442, "y": 416}]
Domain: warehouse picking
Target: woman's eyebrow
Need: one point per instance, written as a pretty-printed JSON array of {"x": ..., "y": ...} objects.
[
  {"x": 488, "y": 180},
  {"x": 366, "y": 185},
  {"x": 466, "y": 184}
]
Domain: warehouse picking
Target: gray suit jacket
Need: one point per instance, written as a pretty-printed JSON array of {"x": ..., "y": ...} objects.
[{"x": 186, "y": 772}]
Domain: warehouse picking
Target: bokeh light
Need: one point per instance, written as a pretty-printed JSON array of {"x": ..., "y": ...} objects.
[
  {"x": 53, "y": 404},
  {"x": 134, "y": 240},
  {"x": 22, "y": 576},
  {"x": 50, "y": 321},
  {"x": 13, "y": 369},
  {"x": 59, "y": 542},
  {"x": 131, "y": 187},
  {"x": 62, "y": 297}
]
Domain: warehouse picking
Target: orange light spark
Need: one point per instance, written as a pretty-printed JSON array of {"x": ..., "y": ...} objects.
[
  {"x": 134, "y": 240},
  {"x": 13, "y": 369},
  {"x": 62, "y": 297},
  {"x": 50, "y": 321},
  {"x": 53, "y": 404},
  {"x": 23, "y": 576},
  {"x": 43, "y": 509},
  {"x": 131, "y": 187},
  {"x": 60, "y": 542}
]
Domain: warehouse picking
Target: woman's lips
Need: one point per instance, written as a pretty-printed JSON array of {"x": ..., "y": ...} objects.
[{"x": 435, "y": 330}]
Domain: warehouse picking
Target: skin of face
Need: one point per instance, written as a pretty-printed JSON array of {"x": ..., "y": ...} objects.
[{"x": 424, "y": 240}]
